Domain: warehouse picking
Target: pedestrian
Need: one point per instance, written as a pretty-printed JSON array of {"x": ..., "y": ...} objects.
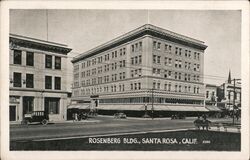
[
  {"x": 76, "y": 117},
  {"x": 197, "y": 123},
  {"x": 205, "y": 123}
]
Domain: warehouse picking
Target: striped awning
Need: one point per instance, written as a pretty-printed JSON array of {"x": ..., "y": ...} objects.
[
  {"x": 213, "y": 108},
  {"x": 180, "y": 108},
  {"x": 79, "y": 106}
]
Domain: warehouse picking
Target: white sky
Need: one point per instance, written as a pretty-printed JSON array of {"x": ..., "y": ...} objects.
[{"x": 84, "y": 29}]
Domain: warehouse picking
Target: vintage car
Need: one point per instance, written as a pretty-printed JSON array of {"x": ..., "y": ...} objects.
[
  {"x": 120, "y": 115},
  {"x": 36, "y": 116}
]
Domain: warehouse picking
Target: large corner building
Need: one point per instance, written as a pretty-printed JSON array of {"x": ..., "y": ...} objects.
[
  {"x": 37, "y": 77},
  {"x": 149, "y": 68}
]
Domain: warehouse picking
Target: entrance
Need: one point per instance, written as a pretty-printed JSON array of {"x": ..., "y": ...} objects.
[
  {"x": 12, "y": 113},
  {"x": 28, "y": 104}
]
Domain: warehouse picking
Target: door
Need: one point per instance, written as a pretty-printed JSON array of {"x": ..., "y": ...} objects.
[
  {"x": 12, "y": 113},
  {"x": 28, "y": 104}
]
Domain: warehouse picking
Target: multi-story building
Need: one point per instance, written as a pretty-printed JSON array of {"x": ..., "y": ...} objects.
[
  {"x": 148, "y": 66},
  {"x": 37, "y": 77}
]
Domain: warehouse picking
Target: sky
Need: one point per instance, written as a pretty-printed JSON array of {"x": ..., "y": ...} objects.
[{"x": 84, "y": 29}]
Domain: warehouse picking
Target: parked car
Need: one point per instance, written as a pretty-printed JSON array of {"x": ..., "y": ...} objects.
[
  {"x": 120, "y": 115},
  {"x": 36, "y": 116}
]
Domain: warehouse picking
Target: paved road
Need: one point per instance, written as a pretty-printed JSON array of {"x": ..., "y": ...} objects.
[{"x": 96, "y": 126}]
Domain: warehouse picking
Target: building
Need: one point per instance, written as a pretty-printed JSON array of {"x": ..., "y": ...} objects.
[
  {"x": 37, "y": 77},
  {"x": 229, "y": 94},
  {"x": 211, "y": 98},
  {"x": 149, "y": 68}
]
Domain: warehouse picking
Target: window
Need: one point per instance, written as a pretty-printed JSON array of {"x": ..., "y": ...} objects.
[
  {"x": 154, "y": 58},
  {"x": 133, "y": 48},
  {"x": 169, "y": 87},
  {"x": 131, "y": 86},
  {"x": 179, "y": 75},
  {"x": 158, "y": 85},
  {"x": 132, "y": 61},
  {"x": 48, "y": 61},
  {"x": 58, "y": 83},
  {"x": 17, "y": 79},
  {"x": 17, "y": 57},
  {"x": 154, "y": 85},
  {"x": 180, "y": 51},
  {"x": 52, "y": 105},
  {"x": 154, "y": 45},
  {"x": 30, "y": 59},
  {"x": 159, "y": 46},
  {"x": 132, "y": 73},
  {"x": 139, "y": 59},
  {"x": 48, "y": 82},
  {"x": 180, "y": 64},
  {"x": 136, "y": 60},
  {"x": 176, "y": 87},
  {"x": 176, "y": 63},
  {"x": 140, "y": 46},
  {"x": 180, "y": 88},
  {"x": 158, "y": 59},
  {"x": 57, "y": 62},
  {"x": 29, "y": 81},
  {"x": 176, "y": 50},
  {"x": 185, "y": 53},
  {"x": 139, "y": 85}
]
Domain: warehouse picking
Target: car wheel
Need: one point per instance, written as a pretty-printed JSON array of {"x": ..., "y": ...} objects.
[
  {"x": 44, "y": 122},
  {"x": 24, "y": 122}
]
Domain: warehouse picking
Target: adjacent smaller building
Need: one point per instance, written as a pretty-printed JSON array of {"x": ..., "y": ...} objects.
[{"x": 37, "y": 77}]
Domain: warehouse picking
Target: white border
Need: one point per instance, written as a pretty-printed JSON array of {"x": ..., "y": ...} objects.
[{"x": 187, "y": 5}]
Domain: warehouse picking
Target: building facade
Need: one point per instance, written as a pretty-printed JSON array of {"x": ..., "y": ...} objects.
[
  {"x": 229, "y": 94},
  {"x": 148, "y": 66},
  {"x": 37, "y": 77},
  {"x": 210, "y": 94}
]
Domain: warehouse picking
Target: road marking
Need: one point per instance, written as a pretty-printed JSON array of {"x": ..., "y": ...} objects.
[{"x": 113, "y": 134}]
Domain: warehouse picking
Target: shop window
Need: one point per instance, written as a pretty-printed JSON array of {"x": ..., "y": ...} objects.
[{"x": 52, "y": 105}]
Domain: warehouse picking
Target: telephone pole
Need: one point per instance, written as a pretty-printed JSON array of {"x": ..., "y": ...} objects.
[{"x": 152, "y": 109}]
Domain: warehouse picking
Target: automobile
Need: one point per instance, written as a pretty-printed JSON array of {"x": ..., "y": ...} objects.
[
  {"x": 36, "y": 116},
  {"x": 120, "y": 115}
]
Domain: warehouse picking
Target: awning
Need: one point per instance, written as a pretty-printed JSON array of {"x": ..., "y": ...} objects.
[
  {"x": 79, "y": 106},
  {"x": 131, "y": 107},
  {"x": 156, "y": 107},
  {"x": 213, "y": 108},
  {"x": 179, "y": 108}
]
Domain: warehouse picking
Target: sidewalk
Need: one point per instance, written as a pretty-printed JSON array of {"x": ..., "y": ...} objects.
[{"x": 58, "y": 122}]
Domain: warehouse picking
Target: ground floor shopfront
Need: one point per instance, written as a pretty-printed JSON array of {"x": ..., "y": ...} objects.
[
  {"x": 53, "y": 103},
  {"x": 137, "y": 104}
]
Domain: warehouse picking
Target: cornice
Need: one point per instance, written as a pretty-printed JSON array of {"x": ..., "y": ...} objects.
[
  {"x": 147, "y": 29},
  {"x": 27, "y": 42}
]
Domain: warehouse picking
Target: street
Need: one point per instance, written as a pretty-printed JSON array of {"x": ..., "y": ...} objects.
[
  {"x": 100, "y": 125},
  {"x": 107, "y": 133}
]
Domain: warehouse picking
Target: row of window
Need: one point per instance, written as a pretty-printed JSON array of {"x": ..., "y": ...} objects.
[
  {"x": 136, "y": 47},
  {"x": 177, "y": 75},
  {"x": 99, "y": 70},
  {"x": 29, "y": 81},
  {"x": 136, "y": 60},
  {"x": 94, "y": 61},
  {"x": 178, "y": 50},
  {"x": 178, "y": 63},
  {"x": 114, "y": 77},
  {"x": 17, "y": 59},
  {"x": 177, "y": 87}
]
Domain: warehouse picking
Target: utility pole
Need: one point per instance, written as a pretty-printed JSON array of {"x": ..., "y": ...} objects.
[
  {"x": 152, "y": 109},
  {"x": 234, "y": 100}
]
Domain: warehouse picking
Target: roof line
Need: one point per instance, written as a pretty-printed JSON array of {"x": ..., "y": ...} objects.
[{"x": 35, "y": 39}]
